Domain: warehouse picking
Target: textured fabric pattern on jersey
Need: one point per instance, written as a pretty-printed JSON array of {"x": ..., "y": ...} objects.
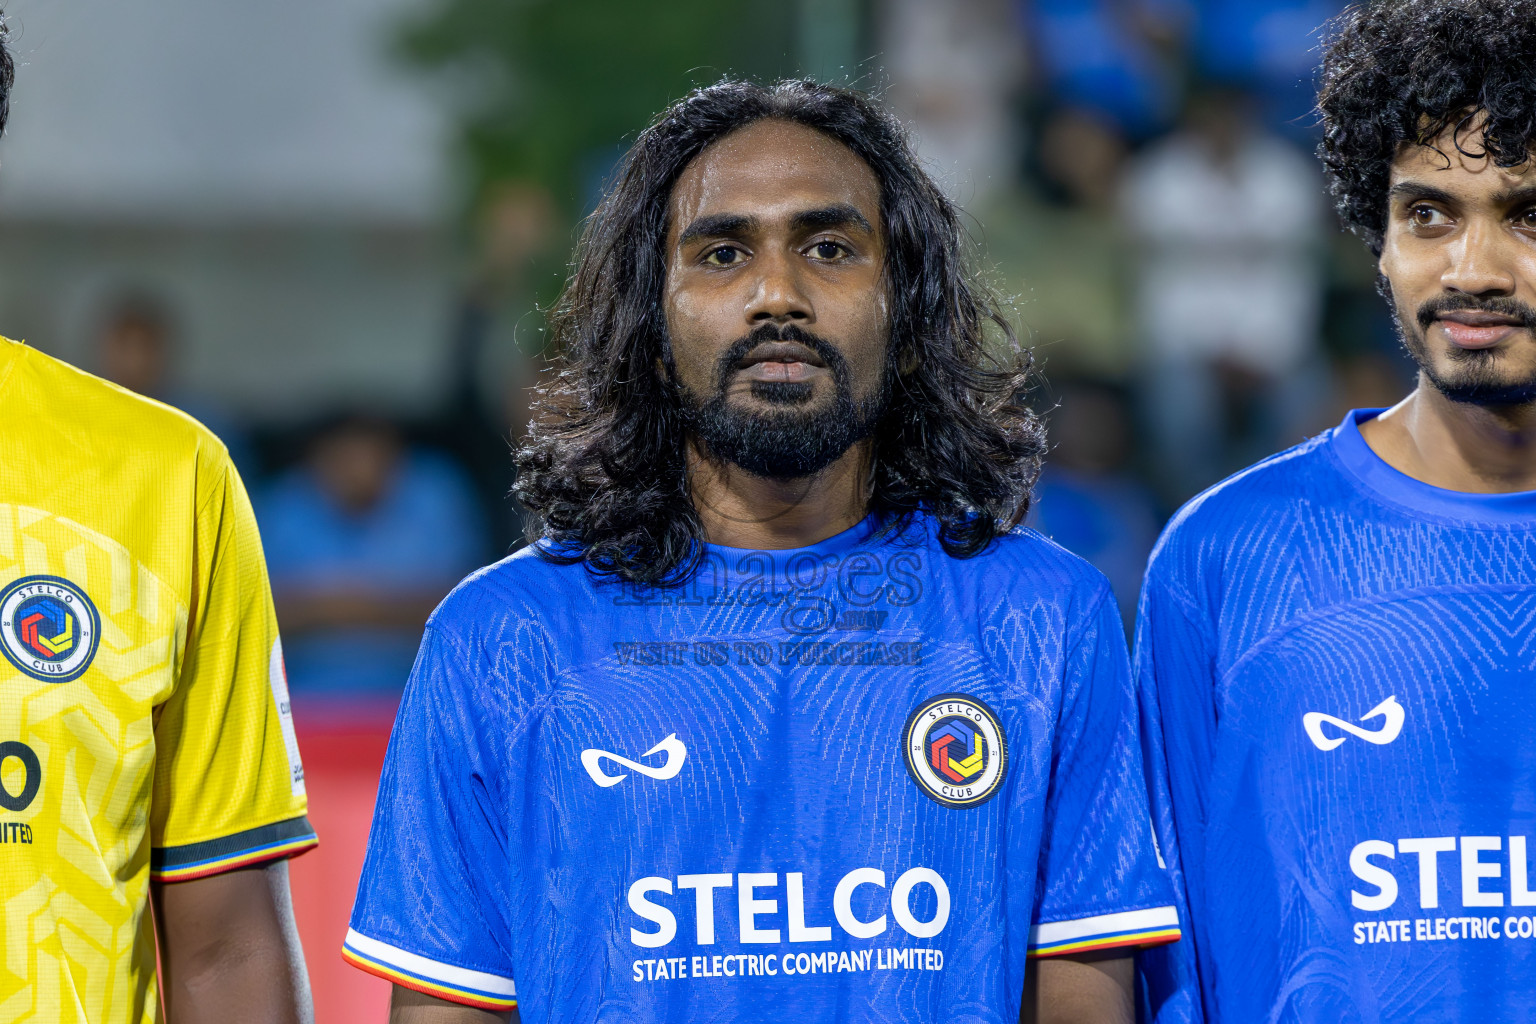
[
  {"x": 1338, "y": 662},
  {"x": 697, "y": 805},
  {"x": 144, "y": 725}
]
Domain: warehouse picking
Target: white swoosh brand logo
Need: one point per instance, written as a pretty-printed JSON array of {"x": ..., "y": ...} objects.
[
  {"x": 1389, "y": 709},
  {"x": 676, "y": 755}
]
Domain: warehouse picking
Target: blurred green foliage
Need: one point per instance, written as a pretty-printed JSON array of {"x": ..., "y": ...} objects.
[{"x": 551, "y": 91}]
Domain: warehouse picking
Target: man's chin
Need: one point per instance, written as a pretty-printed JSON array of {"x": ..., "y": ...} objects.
[
  {"x": 1488, "y": 384},
  {"x": 780, "y": 471},
  {"x": 778, "y": 442},
  {"x": 769, "y": 396},
  {"x": 781, "y": 456},
  {"x": 1503, "y": 375}
]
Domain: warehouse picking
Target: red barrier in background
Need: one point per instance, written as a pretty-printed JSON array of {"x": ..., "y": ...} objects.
[{"x": 343, "y": 745}]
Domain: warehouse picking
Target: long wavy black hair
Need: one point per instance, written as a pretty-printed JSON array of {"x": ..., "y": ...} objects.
[
  {"x": 603, "y": 473},
  {"x": 1405, "y": 71},
  {"x": 7, "y": 74}
]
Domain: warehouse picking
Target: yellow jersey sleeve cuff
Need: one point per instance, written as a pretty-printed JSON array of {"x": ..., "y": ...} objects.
[{"x": 253, "y": 846}]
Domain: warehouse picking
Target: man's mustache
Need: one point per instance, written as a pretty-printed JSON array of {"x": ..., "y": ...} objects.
[
  {"x": 726, "y": 366},
  {"x": 1432, "y": 310}
]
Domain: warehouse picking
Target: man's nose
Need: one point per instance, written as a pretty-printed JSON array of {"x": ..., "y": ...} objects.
[
  {"x": 778, "y": 294},
  {"x": 1479, "y": 262}
]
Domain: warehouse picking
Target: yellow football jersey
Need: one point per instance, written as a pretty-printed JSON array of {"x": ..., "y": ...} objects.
[{"x": 144, "y": 723}]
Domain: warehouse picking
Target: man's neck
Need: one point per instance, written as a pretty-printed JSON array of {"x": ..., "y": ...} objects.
[
  {"x": 740, "y": 510},
  {"x": 1455, "y": 445}
]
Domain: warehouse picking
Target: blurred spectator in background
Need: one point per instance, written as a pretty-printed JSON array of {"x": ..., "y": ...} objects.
[
  {"x": 1081, "y": 156},
  {"x": 1369, "y": 368},
  {"x": 133, "y": 347},
  {"x": 1131, "y": 59},
  {"x": 1271, "y": 45},
  {"x": 496, "y": 358},
  {"x": 1061, "y": 245},
  {"x": 1089, "y": 499},
  {"x": 363, "y": 539},
  {"x": 1117, "y": 58},
  {"x": 1228, "y": 219},
  {"x": 137, "y": 348},
  {"x": 955, "y": 70}
]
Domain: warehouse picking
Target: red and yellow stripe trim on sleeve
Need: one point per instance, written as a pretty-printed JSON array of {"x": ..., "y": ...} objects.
[
  {"x": 253, "y": 846},
  {"x": 418, "y": 973},
  {"x": 1152, "y": 927}
]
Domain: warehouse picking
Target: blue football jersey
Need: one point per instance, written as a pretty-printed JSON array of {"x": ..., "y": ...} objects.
[
  {"x": 1337, "y": 665},
  {"x": 857, "y": 781}
]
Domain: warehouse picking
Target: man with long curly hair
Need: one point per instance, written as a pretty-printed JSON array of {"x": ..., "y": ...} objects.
[
  {"x": 1338, "y": 645},
  {"x": 780, "y": 717}
]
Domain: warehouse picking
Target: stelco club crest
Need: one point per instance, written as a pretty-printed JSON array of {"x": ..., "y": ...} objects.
[
  {"x": 956, "y": 750},
  {"x": 48, "y": 628}
]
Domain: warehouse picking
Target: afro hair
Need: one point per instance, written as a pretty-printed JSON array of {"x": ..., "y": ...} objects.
[{"x": 1403, "y": 72}]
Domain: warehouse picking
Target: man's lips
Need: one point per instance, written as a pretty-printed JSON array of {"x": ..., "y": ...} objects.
[
  {"x": 787, "y": 361},
  {"x": 1474, "y": 329}
]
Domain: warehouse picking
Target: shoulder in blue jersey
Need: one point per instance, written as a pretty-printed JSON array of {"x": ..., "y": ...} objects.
[
  {"x": 1335, "y": 667},
  {"x": 859, "y": 781}
]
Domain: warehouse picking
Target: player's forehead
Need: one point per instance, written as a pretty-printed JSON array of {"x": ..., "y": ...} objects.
[
  {"x": 1457, "y": 162},
  {"x": 772, "y": 170}
]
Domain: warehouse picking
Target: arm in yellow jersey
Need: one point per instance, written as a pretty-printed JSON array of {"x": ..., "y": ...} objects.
[
  {"x": 229, "y": 784},
  {"x": 229, "y": 802},
  {"x": 229, "y": 950}
]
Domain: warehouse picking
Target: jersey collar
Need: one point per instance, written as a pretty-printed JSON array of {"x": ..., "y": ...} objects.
[
  {"x": 10, "y": 351},
  {"x": 836, "y": 545},
  {"x": 1398, "y": 488}
]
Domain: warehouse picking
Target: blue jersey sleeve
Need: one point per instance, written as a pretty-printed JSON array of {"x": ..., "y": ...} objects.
[
  {"x": 430, "y": 904},
  {"x": 1101, "y": 884},
  {"x": 1175, "y": 674}
]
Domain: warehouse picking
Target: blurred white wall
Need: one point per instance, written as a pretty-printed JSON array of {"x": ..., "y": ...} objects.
[
  {"x": 180, "y": 109},
  {"x": 265, "y": 166}
]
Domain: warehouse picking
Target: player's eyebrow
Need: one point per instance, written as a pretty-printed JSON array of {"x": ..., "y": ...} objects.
[
  {"x": 715, "y": 225},
  {"x": 835, "y": 216},
  {"x": 1411, "y": 190},
  {"x": 1520, "y": 195}
]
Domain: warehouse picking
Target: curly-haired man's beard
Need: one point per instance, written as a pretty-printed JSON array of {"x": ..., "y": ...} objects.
[
  {"x": 1473, "y": 376},
  {"x": 792, "y": 441}
]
